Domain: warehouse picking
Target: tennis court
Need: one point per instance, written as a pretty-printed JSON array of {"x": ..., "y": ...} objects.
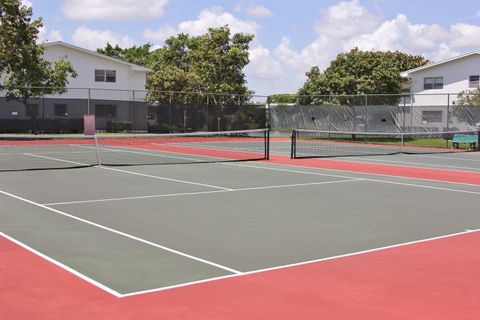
[{"x": 206, "y": 237}]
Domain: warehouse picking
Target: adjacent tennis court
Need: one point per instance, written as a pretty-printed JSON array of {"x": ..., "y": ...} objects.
[{"x": 207, "y": 236}]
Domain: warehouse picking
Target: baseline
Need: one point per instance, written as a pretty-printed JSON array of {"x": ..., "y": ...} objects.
[{"x": 298, "y": 264}]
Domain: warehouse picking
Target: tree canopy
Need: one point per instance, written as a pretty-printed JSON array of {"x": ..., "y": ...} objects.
[
  {"x": 209, "y": 63},
  {"x": 469, "y": 98},
  {"x": 360, "y": 72},
  {"x": 282, "y": 98},
  {"x": 136, "y": 54},
  {"x": 24, "y": 72}
]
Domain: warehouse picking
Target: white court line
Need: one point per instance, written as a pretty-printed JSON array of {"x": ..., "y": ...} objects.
[
  {"x": 292, "y": 265},
  {"x": 210, "y": 148},
  {"x": 154, "y": 153},
  {"x": 349, "y": 171},
  {"x": 311, "y": 173},
  {"x": 136, "y": 173},
  {"x": 123, "y": 234},
  {"x": 167, "y": 179},
  {"x": 300, "y": 263},
  {"x": 42, "y": 152},
  {"x": 448, "y": 158},
  {"x": 63, "y": 266},
  {"x": 409, "y": 163},
  {"x": 364, "y": 179},
  {"x": 56, "y": 159},
  {"x": 201, "y": 192}
]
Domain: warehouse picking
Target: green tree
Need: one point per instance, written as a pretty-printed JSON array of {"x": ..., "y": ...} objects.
[
  {"x": 218, "y": 59},
  {"x": 466, "y": 108},
  {"x": 24, "y": 72},
  {"x": 209, "y": 63},
  {"x": 172, "y": 71},
  {"x": 136, "y": 54},
  {"x": 282, "y": 98},
  {"x": 359, "y": 72},
  {"x": 468, "y": 98}
]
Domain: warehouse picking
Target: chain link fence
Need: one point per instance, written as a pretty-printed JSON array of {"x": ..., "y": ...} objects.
[
  {"x": 379, "y": 113},
  {"x": 131, "y": 111}
]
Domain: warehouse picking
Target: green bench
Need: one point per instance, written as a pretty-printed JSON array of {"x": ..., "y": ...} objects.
[{"x": 470, "y": 139}]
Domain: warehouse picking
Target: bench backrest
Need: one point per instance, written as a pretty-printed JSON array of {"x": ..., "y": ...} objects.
[{"x": 461, "y": 137}]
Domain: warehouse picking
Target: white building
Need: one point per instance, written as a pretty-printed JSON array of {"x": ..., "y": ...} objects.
[
  {"x": 111, "y": 88},
  {"x": 96, "y": 70},
  {"x": 434, "y": 90},
  {"x": 435, "y": 81}
]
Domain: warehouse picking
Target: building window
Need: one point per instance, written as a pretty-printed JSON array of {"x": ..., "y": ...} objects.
[
  {"x": 106, "y": 110},
  {"x": 111, "y": 75},
  {"x": 432, "y": 116},
  {"x": 105, "y": 75},
  {"x": 474, "y": 82},
  {"x": 32, "y": 110},
  {"x": 61, "y": 110},
  {"x": 433, "y": 83}
]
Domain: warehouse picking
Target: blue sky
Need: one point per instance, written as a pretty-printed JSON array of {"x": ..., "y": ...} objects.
[{"x": 290, "y": 36}]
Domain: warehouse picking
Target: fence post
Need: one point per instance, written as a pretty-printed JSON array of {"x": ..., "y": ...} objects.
[
  {"x": 366, "y": 113},
  {"x": 170, "y": 112},
  {"x": 88, "y": 102},
  {"x": 448, "y": 110},
  {"x": 43, "y": 106},
  {"x": 268, "y": 116},
  {"x": 134, "y": 118},
  {"x": 208, "y": 107},
  {"x": 412, "y": 96}
]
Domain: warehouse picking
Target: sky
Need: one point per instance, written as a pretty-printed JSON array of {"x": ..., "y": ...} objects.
[{"x": 290, "y": 36}]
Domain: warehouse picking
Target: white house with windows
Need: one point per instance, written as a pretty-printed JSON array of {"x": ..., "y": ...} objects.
[
  {"x": 434, "y": 90},
  {"x": 435, "y": 81},
  {"x": 112, "y": 89},
  {"x": 96, "y": 70}
]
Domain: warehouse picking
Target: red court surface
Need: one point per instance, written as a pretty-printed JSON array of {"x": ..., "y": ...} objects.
[
  {"x": 438, "y": 279},
  {"x": 383, "y": 169}
]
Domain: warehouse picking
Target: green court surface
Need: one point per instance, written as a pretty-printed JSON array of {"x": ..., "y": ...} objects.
[{"x": 140, "y": 228}]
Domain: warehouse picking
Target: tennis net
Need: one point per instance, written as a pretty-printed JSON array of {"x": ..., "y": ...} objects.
[
  {"x": 35, "y": 152},
  {"x": 316, "y": 143}
]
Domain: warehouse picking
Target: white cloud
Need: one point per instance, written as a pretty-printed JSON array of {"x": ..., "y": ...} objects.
[
  {"x": 340, "y": 28},
  {"x": 159, "y": 35},
  {"x": 262, "y": 65},
  {"x": 259, "y": 11},
  {"x": 44, "y": 35},
  {"x": 401, "y": 34},
  {"x": 465, "y": 36},
  {"x": 27, "y": 3},
  {"x": 216, "y": 17},
  {"x": 346, "y": 19},
  {"x": 348, "y": 24},
  {"x": 113, "y": 10},
  {"x": 208, "y": 18},
  {"x": 93, "y": 39}
]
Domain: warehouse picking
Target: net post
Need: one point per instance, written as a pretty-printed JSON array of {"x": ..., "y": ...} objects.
[
  {"x": 402, "y": 142},
  {"x": 97, "y": 151},
  {"x": 267, "y": 144},
  {"x": 293, "y": 144}
]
